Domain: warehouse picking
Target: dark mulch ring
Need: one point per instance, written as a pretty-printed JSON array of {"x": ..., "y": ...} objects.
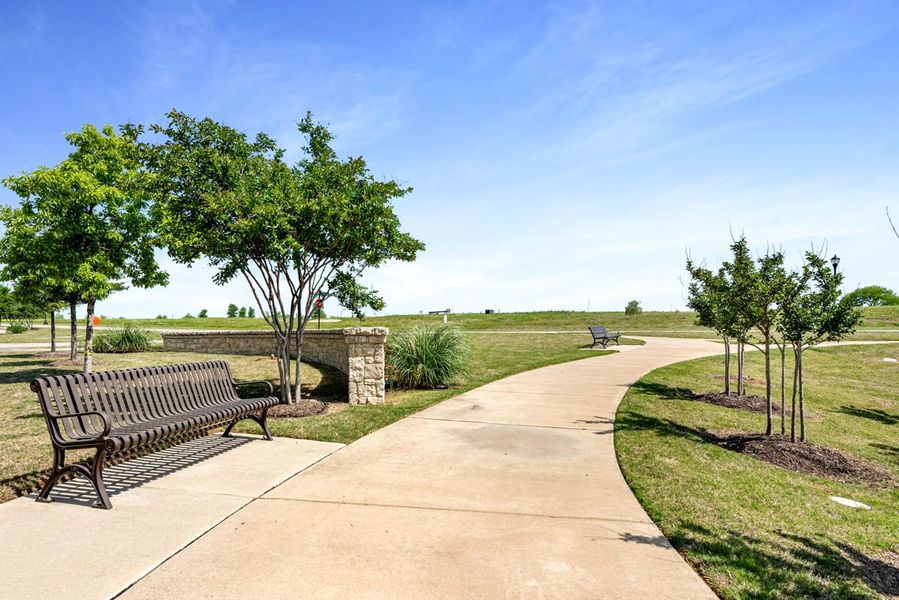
[
  {"x": 755, "y": 404},
  {"x": 301, "y": 408},
  {"x": 804, "y": 457}
]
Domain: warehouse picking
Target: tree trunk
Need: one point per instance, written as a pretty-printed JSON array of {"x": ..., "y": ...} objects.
[
  {"x": 727, "y": 366},
  {"x": 298, "y": 377},
  {"x": 283, "y": 357},
  {"x": 801, "y": 400},
  {"x": 89, "y": 337},
  {"x": 740, "y": 351},
  {"x": 795, "y": 382},
  {"x": 769, "y": 426},
  {"x": 52, "y": 331},
  {"x": 73, "y": 341},
  {"x": 783, "y": 388}
]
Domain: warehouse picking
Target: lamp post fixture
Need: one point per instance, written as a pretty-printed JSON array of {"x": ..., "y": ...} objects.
[{"x": 835, "y": 261}]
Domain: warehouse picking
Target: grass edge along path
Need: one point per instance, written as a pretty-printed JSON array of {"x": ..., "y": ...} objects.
[
  {"x": 751, "y": 529},
  {"x": 493, "y": 357}
]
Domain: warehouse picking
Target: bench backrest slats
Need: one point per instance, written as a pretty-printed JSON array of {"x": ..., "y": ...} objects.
[
  {"x": 599, "y": 330},
  {"x": 131, "y": 396}
]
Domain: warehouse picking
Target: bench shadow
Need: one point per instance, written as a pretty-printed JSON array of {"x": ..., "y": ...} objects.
[
  {"x": 139, "y": 471},
  {"x": 875, "y": 414}
]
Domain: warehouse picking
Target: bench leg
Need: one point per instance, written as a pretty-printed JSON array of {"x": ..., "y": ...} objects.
[
  {"x": 94, "y": 475},
  {"x": 261, "y": 420},
  {"x": 97, "y": 479}
]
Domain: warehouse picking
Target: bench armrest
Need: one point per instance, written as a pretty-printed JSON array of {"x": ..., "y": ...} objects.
[
  {"x": 271, "y": 388},
  {"x": 107, "y": 425}
]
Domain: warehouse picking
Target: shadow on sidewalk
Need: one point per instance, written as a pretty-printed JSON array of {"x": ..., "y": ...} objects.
[{"x": 139, "y": 471}]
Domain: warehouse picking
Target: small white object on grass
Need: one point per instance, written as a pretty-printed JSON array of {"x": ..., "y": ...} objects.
[
  {"x": 850, "y": 503},
  {"x": 890, "y": 360}
]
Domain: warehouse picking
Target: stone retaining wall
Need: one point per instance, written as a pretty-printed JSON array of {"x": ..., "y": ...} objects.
[{"x": 358, "y": 352}]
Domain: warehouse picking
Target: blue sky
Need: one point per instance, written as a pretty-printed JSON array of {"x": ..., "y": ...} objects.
[{"x": 561, "y": 153}]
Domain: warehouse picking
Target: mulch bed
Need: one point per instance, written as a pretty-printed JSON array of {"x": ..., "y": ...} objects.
[
  {"x": 804, "y": 457},
  {"x": 301, "y": 408},
  {"x": 755, "y": 404}
]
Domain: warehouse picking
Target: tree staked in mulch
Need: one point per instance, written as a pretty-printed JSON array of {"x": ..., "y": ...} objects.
[{"x": 805, "y": 457}]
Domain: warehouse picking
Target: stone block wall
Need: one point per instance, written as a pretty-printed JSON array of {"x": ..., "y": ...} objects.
[{"x": 357, "y": 352}]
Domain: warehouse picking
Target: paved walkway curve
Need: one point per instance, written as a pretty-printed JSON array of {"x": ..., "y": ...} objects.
[{"x": 511, "y": 490}]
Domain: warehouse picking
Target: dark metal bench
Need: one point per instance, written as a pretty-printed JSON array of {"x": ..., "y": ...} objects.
[
  {"x": 120, "y": 411},
  {"x": 603, "y": 336}
]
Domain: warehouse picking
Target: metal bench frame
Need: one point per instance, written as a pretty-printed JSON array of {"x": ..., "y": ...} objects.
[
  {"x": 116, "y": 412},
  {"x": 603, "y": 336}
]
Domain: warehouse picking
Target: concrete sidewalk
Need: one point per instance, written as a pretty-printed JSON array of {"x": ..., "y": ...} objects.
[
  {"x": 162, "y": 503},
  {"x": 509, "y": 491}
]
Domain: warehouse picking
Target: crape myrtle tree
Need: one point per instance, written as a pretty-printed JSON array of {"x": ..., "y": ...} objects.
[
  {"x": 293, "y": 234},
  {"x": 740, "y": 289},
  {"x": 813, "y": 312},
  {"x": 709, "y": 296},
  {"x": 762, "y": 307},
  {"x": 82, "y": 230}
]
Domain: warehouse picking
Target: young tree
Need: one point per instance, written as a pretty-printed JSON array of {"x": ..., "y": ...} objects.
[
  {"x": 251, "y": 312},
  {"x": 242, "y": 313},
  {"x": 291, "y": 233},
  {"x": 84, "y": 221},
  {"x": 232, "y": 311},
  {"x": 709, "y": 297},
  {"x": 203, "y": 314},
  {"x": 743, "y": 283},
  {"x": 633, "y": 308},
  {"x": 763, "y": 309},
  {"x": 813, "y": 313}
]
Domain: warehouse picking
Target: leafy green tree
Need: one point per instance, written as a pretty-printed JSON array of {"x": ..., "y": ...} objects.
[
  {"x": 232, "y": 311},
  {"x": 813, "y": 312},
  {"x": 292, "y": 233},
  {"x": 872, "y": 295},
  {"x": 709, "y": 297},
  {"x": 743, "y": 282},
  {"x": 251, "y": 312},
  {"x": 242, "y": 313},
  {"x": 84, "y": 222},
  {"x": 633, "y": 308},
  {"x": 203, "y": 314}
]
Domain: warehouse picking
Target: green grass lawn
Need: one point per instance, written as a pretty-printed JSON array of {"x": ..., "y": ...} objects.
[
  {"x": 751, "y": 529},
  {"x": 25, "y": 453},
  {"x": 668, "y": 323}
]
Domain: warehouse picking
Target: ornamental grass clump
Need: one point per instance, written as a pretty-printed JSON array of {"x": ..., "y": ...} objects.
[
  {"x": 426, "y": 357},
  {"x": 120, "y": 340}
]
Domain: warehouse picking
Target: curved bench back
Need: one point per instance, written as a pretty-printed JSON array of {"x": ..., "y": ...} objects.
[{"x": 132, "y": 396}]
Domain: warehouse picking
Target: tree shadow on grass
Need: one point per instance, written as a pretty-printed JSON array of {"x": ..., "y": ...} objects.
[
  {"x": 782, "y": 565},
  {"x": 875, "y": 414},
  {"x": 664, "y": 391},
  {"x": 633, "y": 421}
]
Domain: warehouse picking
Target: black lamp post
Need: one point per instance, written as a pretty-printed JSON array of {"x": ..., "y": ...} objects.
[{"x": 835, "y": 261}]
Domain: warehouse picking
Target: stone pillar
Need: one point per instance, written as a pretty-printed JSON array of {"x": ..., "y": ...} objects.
[{"x": 366, "y": 360}]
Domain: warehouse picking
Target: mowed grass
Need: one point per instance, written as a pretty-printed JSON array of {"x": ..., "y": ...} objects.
[
  {"x": 25, "y": 452},
  {"x": 663, "y": 323},
  {"x": 751, "y": 529}
]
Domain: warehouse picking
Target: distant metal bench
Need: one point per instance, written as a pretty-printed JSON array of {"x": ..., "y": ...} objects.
[
  {"x": 119, "y": 411},
  {"x": 603, "y": 336}
]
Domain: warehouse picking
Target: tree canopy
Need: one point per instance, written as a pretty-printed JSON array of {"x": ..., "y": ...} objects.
[
  {"x": 82, "y": 230},
  {"x": 294, "y": 233},
  {"x": 872, "y": 295}
]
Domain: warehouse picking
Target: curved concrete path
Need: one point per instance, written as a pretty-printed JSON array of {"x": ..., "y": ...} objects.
[{"x": 511, "y": 490}]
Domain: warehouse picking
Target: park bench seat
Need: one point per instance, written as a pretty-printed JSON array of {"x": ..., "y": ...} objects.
[
  {"x": 603, "y": 336},
  {"x": 115, "y": 412}
]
